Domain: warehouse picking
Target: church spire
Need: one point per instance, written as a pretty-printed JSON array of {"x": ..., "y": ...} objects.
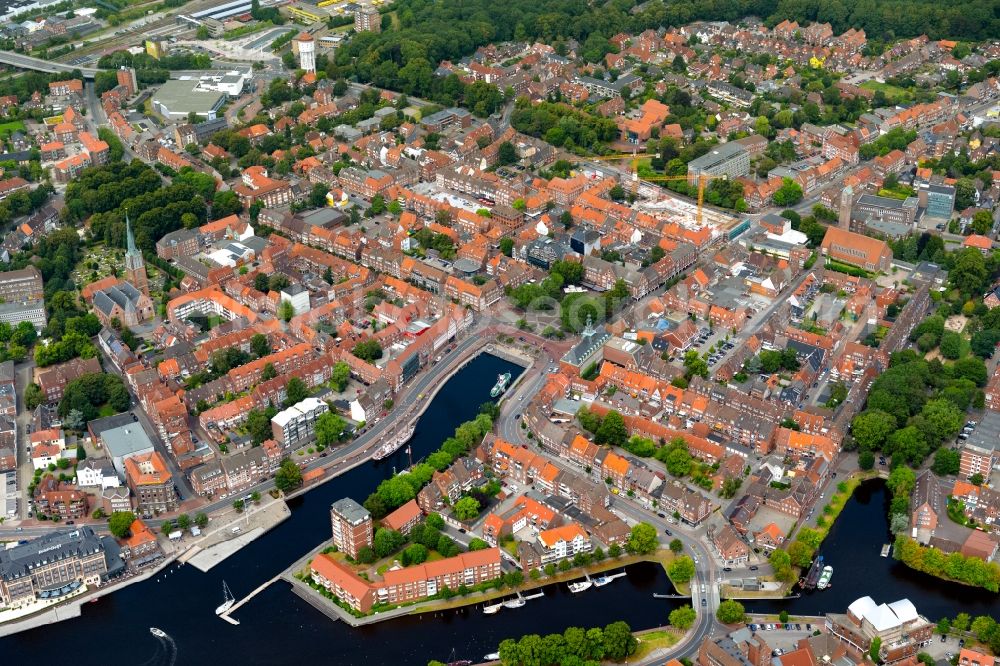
[{"x": 131, "y": 249}]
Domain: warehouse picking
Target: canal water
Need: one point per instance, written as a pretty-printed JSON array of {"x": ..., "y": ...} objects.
[
  {"x": 279, "y": 628},
  {"x": 853, "y": 548}
]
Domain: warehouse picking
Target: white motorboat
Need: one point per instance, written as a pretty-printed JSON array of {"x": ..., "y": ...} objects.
[
  {"x": 159, "y": 633},
  {"x": 492, "y": 656},
  {"x": 514, "y": 603},
  {"x": 580, "y": 586},
  {"x": 492, "y": 609}
]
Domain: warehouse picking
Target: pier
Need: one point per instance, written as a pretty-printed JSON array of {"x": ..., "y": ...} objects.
[{"x": 260, "y": 588}]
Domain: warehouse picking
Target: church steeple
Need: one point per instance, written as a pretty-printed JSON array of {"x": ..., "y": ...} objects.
[
  {"x": 130, "y": 249},
  {"x": 135, "y": 265}
]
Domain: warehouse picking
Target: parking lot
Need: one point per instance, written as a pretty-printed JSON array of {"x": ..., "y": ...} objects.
[{"x": 784, "y": 640}]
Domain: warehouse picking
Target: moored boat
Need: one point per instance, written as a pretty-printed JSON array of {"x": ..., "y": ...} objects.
[{"x": 580, "y": 586}]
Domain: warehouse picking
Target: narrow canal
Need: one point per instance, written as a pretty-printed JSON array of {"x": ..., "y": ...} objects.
[
  {"x": 279, "y": 628},
  {"x": 853, "y": 548}
]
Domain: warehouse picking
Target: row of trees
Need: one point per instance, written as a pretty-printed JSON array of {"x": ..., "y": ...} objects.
[
  {"x": 398, "y": 490},
  {"x": 573, "y": 647}
]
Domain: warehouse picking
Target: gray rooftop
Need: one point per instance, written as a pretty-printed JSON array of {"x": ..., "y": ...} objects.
[
  {"x": 126, "y": 440},
  {"x": 17, "y": 562},
  {"x": 986, "y": 435},
  {"x": 350, "y": 510}
]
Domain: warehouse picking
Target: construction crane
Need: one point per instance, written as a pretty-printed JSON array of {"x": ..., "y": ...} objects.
[
  {"x": 634, "y": 169},
  {"x": 702, "y": 179}
]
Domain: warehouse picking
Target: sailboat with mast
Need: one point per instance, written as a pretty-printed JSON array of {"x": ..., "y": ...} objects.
[{"x": 228, "y": 600}]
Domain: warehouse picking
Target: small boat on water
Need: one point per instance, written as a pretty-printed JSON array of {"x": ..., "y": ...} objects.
[
  {"x": 514, "y": 603},
  {"x": 885, "y": 550},
  {"x": 228, "y": 602},
  {"x": 501, "y": 385},
  {"x": 824, "y": 579},
  {"x": 580, "y": 586},
  {"x": 492, "y": 609},
  {"x": 601, "y": 581},
  {"x": 159, "y": 633},
  {"x": 492, "y": 656}
]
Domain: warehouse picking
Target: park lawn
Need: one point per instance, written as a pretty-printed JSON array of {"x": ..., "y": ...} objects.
[
  {"x": 106, "y": 410},
  {"x": 654, "y": 640},
  {"x": 11, "y": 127},
  {"x": 893, "y": 93}
]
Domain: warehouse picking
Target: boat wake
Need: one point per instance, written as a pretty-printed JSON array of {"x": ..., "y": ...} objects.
[{"x": 166, "y": 651}]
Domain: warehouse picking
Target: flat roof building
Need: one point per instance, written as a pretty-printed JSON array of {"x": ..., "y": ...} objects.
[
  {"x": 176, "y": 99},
  {"x": 352, "y": 526},
  {"x": 125, "y": 442}
]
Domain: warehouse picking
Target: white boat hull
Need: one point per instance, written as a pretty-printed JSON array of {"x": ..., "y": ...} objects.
[
  {"x": 492, "y": 610},
  {"x": 224, "y": 607},
  {"x": 580, "y": 587}
]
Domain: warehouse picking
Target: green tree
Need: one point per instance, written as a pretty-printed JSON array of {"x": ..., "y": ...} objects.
[
  {"x": 676, "y": 546},
  {"x": 33, "y": 396},
  {"x": 507, "y": 246},
  {"x": 201, "y": 520},
  {"x": 612, "y": 430},
  {"x": 295, "y": 391},
  {"x": 414, "y": 554},
  {"x": 286, "y": 310},
  {"x": 694, "y": 365},
  {"x": 681, "y": 570},
  {"x": 466, "y": 508},
  {"x": 642, "y": 539},
  {"x": 619, "y": 641},
  {"x": 951, "y": 345},
  {"x": 387, "y": 541},
  {"x": 340, "y": 374},
  {"x": 259, "y": 345},
  {"x": 871, "y": 428},
  {"x": 330, "y": 429},
  {"x": 288, "y": 477},
  {"x": 183, "y": 522},
  {"x": 369, "y": 350},
  {"x": 789, "y": 194},
  {"x": 683, "y": 617},
  {"x": 874, "y": 650},
  {"x": 730, "y": 612},
  {"x": 120, "y": 522},
  {"x": 506, "y": 154}
]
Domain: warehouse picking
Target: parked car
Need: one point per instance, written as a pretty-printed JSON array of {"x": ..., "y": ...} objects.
[
  {"x": 754, "y": 568},
  {"x": 727, "y": 568}
]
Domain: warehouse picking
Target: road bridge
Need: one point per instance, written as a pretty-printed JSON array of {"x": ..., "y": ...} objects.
[{"x": 39, "y": 65}]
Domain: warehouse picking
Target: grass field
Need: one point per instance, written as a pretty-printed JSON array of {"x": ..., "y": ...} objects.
[
  {"x": 11, "y": 127},
  {"x": 893, "y": 93},
  {"x": 655, "y": 640}
]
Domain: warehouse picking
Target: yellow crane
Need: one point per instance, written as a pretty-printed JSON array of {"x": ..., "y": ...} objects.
[{"x": 634, "y": 164}]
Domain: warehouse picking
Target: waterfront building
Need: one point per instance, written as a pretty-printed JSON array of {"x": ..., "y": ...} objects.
[
  {"x": 56, "y": 564},
  {"x": 402, "y": 584},
  {"x": 352, "y": 526},
  {"x": 901, "y": 630}
]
